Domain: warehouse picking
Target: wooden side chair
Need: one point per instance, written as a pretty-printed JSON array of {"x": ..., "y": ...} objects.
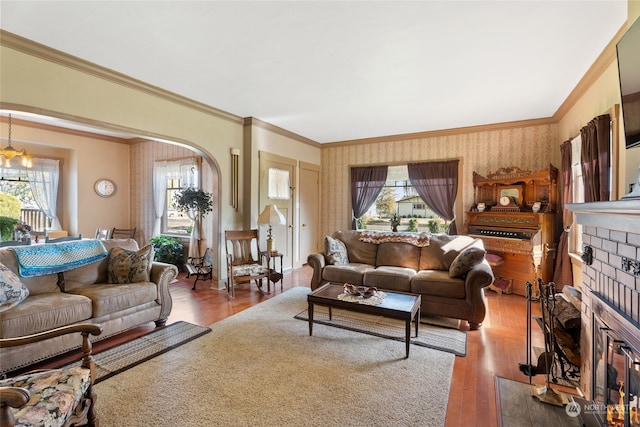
[
  {"x": 243, "y": 249},
  {"x": 123, "y": 233},
  {"x": 102, "y": 233},
  {"x": 201, "y": 267},
  {"x": 23, "y": 401},
  {"x": 62, "y": 239}
]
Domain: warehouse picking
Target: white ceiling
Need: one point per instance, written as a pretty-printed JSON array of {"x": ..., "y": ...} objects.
[{"x": 340, "y": 70}]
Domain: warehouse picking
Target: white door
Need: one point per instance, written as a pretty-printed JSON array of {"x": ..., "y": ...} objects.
[
  {"x": 309, "y": 211},
  {"x": 277, "y": 181}
]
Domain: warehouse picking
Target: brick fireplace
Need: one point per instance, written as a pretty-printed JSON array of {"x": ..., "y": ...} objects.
[{"x": 610, "y": 339}]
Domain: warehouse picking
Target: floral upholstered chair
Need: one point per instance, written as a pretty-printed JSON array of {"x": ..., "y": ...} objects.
[
  {"x": 243, "y": 251},
  {"x": 55, "y": 397}
]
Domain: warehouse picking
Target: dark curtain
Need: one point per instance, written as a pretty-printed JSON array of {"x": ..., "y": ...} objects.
[
  {"x": 596, "y": 158},
  {"x": 366, "y": 184},
  {"x": 562, "y": 275},
  {"x": 437, "y": 185}
]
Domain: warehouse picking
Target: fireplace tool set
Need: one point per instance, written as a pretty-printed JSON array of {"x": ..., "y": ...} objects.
[{"x": 547, "y": 359}]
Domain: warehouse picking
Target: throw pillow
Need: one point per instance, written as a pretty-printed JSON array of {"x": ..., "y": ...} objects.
[
  {"x": 335, "y": 251},
  {"x": 12, "y": 290},
  {"x": 129, "y": 266},
  {"x": 466, "y": 260}
]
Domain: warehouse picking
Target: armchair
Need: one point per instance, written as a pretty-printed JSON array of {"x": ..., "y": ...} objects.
[
  {"x": 243, "y": 251},
  {"x": 51, "y": 397}
]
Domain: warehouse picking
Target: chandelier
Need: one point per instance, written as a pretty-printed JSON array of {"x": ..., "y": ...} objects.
[{"x": 8, "y": 153}]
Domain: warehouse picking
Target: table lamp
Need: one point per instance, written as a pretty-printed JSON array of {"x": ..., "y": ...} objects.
[{"x": 271, "y": 216}]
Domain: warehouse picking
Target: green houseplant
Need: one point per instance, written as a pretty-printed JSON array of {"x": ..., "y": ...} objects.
[
  {"x": 7, "y": 226},
  {"x": 168, "y": 249},
  {"x": 194, "y": 200}
]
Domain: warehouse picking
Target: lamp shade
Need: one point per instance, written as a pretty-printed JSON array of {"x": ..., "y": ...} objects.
[{"x": 271, "y": 216}]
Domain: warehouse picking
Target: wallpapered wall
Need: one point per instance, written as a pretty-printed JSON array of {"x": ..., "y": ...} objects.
[
  {"x": 143, "y": 154},
  {"x": 485, "y": 151}
]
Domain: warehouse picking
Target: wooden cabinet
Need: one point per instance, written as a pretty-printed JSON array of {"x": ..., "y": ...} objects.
[{"x": 518, "y": 222}]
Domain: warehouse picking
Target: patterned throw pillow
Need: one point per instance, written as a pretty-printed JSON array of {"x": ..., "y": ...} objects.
[
  {"x": 466, "y": 260},
  {"x": 335, "y": 252},
  {"x": 12, "y": 290},
  {"x": 129, "y": 266}
]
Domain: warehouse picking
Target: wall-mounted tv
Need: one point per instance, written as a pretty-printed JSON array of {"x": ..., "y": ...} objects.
[{"x": 629, "y": 70}]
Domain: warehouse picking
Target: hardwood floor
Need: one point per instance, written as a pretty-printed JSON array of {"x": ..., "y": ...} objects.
[{"x": 495, "y": 349}]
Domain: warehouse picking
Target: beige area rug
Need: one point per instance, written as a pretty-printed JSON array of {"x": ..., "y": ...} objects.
[
  {"x": 260, "y": 367},
  {"x": 439, "y": 333}
]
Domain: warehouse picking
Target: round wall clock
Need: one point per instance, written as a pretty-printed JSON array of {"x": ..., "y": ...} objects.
[{"x": 104, "y": 187}]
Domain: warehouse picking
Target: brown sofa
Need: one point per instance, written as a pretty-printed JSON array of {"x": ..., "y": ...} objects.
[
  {"x": 81, "y": 295},
  {"x": 405, "y": 267}
]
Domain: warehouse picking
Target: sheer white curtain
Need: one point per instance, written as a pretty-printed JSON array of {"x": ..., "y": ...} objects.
[
  {"x": 44, "y": 177},
  {"x": 187, "y": 171}
]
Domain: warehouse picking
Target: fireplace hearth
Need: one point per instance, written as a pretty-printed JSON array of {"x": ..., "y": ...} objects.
[{"x": 610, "y": 342}]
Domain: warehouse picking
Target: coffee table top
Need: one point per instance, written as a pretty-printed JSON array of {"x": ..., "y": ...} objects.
[{"x": 395, "y": 301}]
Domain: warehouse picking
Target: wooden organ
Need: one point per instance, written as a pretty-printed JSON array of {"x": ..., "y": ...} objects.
[{"x": 515, "y": 216}]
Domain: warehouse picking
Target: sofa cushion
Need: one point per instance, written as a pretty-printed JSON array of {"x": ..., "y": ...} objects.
[
  {"x": 348, "y": 273},
  {"x": 335, "y": 252},
  {"x": 390, "y": 278},
  {"x": 43, "y": 312},
  {"x": 438, "y": 283},
  {"x": 97, "y": 271},
  {"x": 36, "y": 285},
  {"x": 357, "y": 251},
  {"x": 12, "y": 290},
  {"x": 466, "y": 260},
  {"x": 111, "y": 298},
  {"x": 129, "y": 266},
  {"x": 442, "y": 250},
  {"x": 398, "y": 255}
]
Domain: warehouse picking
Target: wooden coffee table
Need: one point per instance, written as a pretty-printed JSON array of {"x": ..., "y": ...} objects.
[{"x": 397, "y": 305}]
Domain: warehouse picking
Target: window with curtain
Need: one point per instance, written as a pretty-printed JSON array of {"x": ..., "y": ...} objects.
[
  {"x": 398, "y": 197},
  {"x": 170, "y": 176},
  {"x": 36, "y": 190}
]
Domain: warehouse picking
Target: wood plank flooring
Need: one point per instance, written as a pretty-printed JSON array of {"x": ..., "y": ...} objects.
[{"x": 495, "y": 349}]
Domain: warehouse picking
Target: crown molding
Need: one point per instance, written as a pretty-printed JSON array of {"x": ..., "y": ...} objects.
[
  {"x": 253, "y": 121},
  {"x": 445, "y": 132},
  {"x": 38, "y": 50}
]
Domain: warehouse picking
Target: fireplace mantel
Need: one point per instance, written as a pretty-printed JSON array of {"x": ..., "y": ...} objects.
[{"x": 621, "y": 215}]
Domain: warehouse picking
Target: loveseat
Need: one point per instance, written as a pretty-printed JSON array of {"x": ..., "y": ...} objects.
[
  {"x": 449, "y": 272},
  {"x": 122, "y": 289}
]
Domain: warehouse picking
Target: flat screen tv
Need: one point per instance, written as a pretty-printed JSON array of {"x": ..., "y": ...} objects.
[{"x": 628, "y": 49}]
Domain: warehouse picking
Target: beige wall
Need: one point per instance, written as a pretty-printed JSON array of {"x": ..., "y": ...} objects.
[
  {"x": 84, "y": 159},
  {"x": 527, "y": 145}
]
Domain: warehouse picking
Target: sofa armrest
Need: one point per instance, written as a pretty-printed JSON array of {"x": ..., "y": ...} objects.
[
  {"x": 162, "y": 274},
  {"x": 477, "y": 279},
  {"x": 316, "y": 261}
]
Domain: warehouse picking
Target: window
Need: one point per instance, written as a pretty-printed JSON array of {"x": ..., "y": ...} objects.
[
  {"x": 398, "y": 197},
  {"x": 170, "y": 176},
  {"x": 577, "y": 192}
]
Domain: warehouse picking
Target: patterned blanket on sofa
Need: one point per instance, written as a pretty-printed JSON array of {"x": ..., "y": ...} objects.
[
  {"x": 416, "y": 239},
  {"x": 38, "y": 260}
]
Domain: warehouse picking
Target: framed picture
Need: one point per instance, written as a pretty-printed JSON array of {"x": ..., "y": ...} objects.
[
  {"x": 512, "y": 191},
  {"x": 279, "y": 184}
]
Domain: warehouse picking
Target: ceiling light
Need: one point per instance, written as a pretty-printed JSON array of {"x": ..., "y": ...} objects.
[{"x": 8, "y": 153}]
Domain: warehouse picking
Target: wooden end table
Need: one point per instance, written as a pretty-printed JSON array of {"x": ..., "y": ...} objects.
[{"x": 397, "y": 305}]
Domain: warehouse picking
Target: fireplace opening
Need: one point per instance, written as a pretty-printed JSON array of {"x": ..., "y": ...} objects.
[{"x": 616, "y": 377}]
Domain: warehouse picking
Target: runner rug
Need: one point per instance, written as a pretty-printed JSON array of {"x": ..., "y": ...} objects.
[
  {"x": 435, "y": 332},
  {"x": 125, "y": 356},
  {"x": 260, "y": 367}
]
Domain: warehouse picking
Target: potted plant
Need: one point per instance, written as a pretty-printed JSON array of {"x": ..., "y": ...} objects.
[
  {"x": 190, "y": 199},
  {"x": 7, "y": 226},
  {"x": 168, "y": 249}
]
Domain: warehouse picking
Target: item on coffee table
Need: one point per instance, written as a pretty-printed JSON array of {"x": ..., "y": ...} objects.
[{"x": 360, "y": 291}]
